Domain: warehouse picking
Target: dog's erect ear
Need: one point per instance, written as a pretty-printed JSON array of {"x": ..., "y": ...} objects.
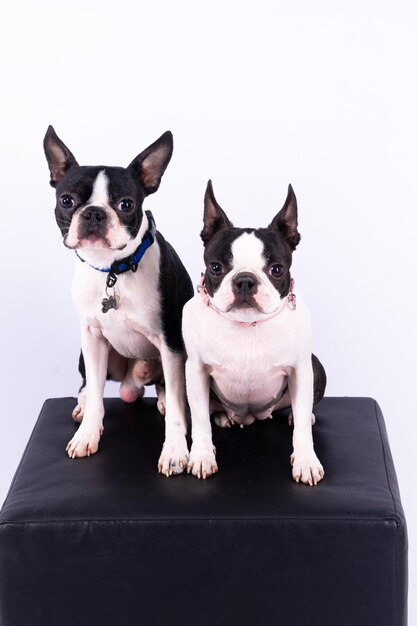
[
  {"x": 59, "y": 158},
  {"x": 150, "y": 164},
  {"x": 286, "y": 220},
  {"x": 214, "y": 216}
]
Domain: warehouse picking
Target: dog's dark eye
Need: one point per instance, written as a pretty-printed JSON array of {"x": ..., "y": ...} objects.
[
  {"x": 216, "y": 269},
  {"x": 66, "y": 201},
  {"x": 276, "y": 270},
  {"x": 125, "y": 205}
]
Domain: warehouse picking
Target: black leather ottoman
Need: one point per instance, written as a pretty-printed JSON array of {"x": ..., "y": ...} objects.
[{"x": 107, "y": 540}]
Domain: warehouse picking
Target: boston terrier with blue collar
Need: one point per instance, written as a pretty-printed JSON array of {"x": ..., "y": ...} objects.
[
  {"x": 247, "y": 338},
  {"x": 129, "y": 290}
]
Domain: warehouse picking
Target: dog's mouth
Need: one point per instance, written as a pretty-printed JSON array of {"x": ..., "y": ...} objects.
[
  {"x": 94, "y": 242},
  {"x": 244, "y": 304}
]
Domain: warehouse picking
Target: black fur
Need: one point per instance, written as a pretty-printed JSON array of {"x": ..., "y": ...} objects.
[
  {"x": 276, "y": 250},
  {"x": 60, "y": 158},
  {"x": 286, "y": 221},
  {"x": 219, "y": 249},
  {"x": 81, "y": 369},
  {"x": 176, "y": 289},
  {"x": 150, "y": 164},
  {"x": 320, "y": 379},
  {"x": 215, "y": 218}
]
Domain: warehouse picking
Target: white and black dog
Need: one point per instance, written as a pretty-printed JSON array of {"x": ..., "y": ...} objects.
[
  {"x": 247, "y": 338},
  {"x": 129, "y": 290}
]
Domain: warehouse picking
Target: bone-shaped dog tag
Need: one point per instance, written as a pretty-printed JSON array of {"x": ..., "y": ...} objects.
[{"x": 109, "y": 303}]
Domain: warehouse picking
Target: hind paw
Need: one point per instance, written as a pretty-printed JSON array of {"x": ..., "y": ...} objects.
[
  {"x": 78, "y": 413},
  {"x": 222, "y": 420}
]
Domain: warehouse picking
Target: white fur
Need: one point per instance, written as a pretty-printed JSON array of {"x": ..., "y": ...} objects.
[
  {"x": 134, "y": 331},
  {"x": 100, "y": 195},
  {"x": 249, "y": 366}
]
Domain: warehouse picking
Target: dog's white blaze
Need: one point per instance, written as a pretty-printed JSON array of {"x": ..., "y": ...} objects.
[
  {"x": 100, "y": 193},
  {"x": 99, "y": 197},
  {"x": 247, "y": 253}
]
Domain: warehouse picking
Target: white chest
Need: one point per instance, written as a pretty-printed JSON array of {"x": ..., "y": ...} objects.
[
  {"x": 248, "y": 366},
  {"x": 134, "y": 328},
  {"x": 250, "y": 371}
]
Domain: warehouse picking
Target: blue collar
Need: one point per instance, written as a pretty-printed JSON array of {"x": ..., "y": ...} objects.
[{"x": 130, "y": 262}]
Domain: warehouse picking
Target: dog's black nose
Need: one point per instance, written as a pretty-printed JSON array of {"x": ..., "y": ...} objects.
[
  {"x": 245, "y": 283},
  {"x": 94, "y": 214}
]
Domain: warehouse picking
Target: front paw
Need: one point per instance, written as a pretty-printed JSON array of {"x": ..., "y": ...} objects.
[
  {"x": 174, "y": 457},
  {"x": 306, "y": 468},
  {"x": 84, "y": 442},
  {"x": 202, "y": 461}
]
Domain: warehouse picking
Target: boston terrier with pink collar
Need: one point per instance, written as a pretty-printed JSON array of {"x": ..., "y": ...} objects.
[
  {"x": 129, "y": 290},
  {"x": 248, "y": 340}
]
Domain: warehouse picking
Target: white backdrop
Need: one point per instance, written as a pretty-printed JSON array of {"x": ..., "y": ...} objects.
[{"x": 258, "y": 94}]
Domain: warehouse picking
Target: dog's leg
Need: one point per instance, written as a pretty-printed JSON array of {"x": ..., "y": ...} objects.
[
  {"x": 174, "y": 455},
  {"x": 305, "y": 465},
  {"x": 320, "y": 380},
  {"x": 202, "y": 461},
  {"x": 116, "y": 370},
  {"x": 95, "y": 350},
  {"x": 291, "y": 419}
]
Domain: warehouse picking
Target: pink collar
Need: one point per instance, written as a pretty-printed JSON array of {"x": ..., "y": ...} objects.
[{"x": 290, "y": 301}]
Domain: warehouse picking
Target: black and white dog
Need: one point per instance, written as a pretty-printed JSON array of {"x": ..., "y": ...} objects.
[
  {"x": 129, "y": 290},
  {"x": 247, "y": 337}
]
